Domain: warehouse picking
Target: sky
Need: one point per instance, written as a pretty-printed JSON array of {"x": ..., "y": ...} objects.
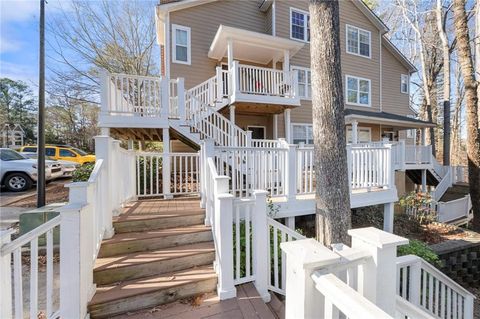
[{"x": 19, "y": 37}]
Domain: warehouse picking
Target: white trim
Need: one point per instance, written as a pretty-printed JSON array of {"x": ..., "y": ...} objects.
[
  {"x": 381, "y": 72},
  {"x": 259, "y": 126},
  {"x": 369, "y": 41},
  {"x": 305, "y": 23},
  {"x": 347, "y": 76},
  {"x": 167, "y": 46},
  {"x": 308, "y": 94},
  {"x": 300, "y": 124},
  {"x": 176, "y": 27},
  {"x": 401, "y": 83}
]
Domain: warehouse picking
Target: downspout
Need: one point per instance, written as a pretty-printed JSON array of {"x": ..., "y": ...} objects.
[
  {"x": 381, "y": 73},
  {"x": 168, "y": 49},
  {"x": 274, "y": 29}
]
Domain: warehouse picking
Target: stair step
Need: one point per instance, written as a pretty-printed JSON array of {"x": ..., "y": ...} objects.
[
  {"x": 140, "y": 222},
  {"x": 151, "y": 291},
  {"x": 114, "y": 269},
  {"x": 150, "y": 240}
]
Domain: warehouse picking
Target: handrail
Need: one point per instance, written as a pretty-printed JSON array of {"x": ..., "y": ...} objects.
[
  {"x": 285, "y": 229},
  {"x": 407, "y": 309},
  {"x": 351, "y": 303},
  {"x": 28, "y": 237},
  {"x": 96, "y": 171}
]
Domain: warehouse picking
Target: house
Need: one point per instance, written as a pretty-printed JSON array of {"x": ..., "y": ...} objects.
[{"x": 232, "y": 107}]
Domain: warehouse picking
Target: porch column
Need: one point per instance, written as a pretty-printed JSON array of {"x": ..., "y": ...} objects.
[
  {"x": 388, "y": 210},
  {"x": 231, "y": 108},
  {"x": 275, "y": 126},
  {"x": 424, "y": 136},
  {"x": 230, "y": 54},
  {"x": 286, "y": 60},
  {"x": 166, "y": 165},
  {"x": 286, "y": 114},
  {"x": 130, "y": 145},
  {"x": 290, "y": 222},
  {"x": 414, "y": 136},
  {"x": 424, "y": 180},
  {"x": 354, "y": 132}
]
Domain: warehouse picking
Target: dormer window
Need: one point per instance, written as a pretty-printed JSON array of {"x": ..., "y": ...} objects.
[
  {"x": 358, "y": 41},
  {"x": 299, "y": 25}
]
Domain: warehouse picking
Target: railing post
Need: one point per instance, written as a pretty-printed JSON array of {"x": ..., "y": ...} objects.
[
  {"x": 165, "y": 97},
  {"x": 104, "y": 150},
  {"x": 377, "y": 279},
  {"x": 166, "y": 165},
  {"x": 207, "y": 150},
  {"x": 390, "y": 167},
  {"x": 414, "y": 283},
  {"x": 290, "y": 170},
  {"x": 260, "y": 244},
  {"x": 76, "y": 246},
  {"x": 6, "y": 300},
  {"x": 105, "y": 91},
  {"x": 234, "y": 80},
  {"x": 223, "y": 220},
  {"x": 219, "y": 77},
  {"x": 294, "y": 86},
  {"x": 181, "y": 98},
  {"x": 401, "y": 148},
  {"x": 249, "y": 139},
  {"x": 349, "y": 167},
  {"x": 305, "y": 256}
]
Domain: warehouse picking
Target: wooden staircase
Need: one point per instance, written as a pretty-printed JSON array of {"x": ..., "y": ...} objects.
[{"x": 161, "y": 252}]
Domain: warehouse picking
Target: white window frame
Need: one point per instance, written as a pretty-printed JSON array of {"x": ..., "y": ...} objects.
[
  {"x": 300, "y": 124},
  {"x": 359, "y": 128},
  {"x": 308, "y": 93},
  {"x": 259, "y": 126},
  {"x": 305, "y": 24},
  {"x": 407, "y": 79},
  {"x": 358, "y": 92},
  {"x": 369, "y": 56},
  {"x": 176, "y": 27}
]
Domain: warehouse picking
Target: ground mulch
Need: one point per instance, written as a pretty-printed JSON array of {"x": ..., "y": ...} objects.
[{"x": 55, "y": 193}]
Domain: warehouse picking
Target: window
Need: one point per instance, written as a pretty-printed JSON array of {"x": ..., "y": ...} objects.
[
  {"x": 299, "y": 25},
  {"x": 50, "y": 151},
  {"x": 181, "y": 44},
  {"x": 66, "y": 153},
  {"x": 302, "y": 133},
  {"x": 304, "y": 82},
  {"x": 29, "y": 149},
  {"x": 358, "y": 91},
  {"x": 364, "y": 135},
  {"x": 358, "y": 41},
  {"x": 404, "y": 83}
]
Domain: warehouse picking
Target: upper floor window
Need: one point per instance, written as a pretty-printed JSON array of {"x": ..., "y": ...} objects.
[
  {"x": 358, "y": 41},
  {"x": 404, "y": 83},
  {"x": 304, "y": 82},
  {"x": 181, "y": 44},
  {"x": 302, "y": 133},
  {"x": 299, "y": 25},
  {"x": 358, "y": 91}
]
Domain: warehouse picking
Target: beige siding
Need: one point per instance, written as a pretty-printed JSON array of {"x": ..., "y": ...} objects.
[
  {"x": 245, "y": 120},
  {"x": 268, "y": 20},
  {"x": 393, "y": 100},
  {"x": 204, "y": 21}
]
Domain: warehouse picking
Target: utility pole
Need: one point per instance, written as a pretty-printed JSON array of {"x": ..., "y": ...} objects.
[{"x": 41, "y": 113}]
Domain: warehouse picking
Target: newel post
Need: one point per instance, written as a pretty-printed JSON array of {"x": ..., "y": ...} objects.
[
  {"x": 105, "y": 91},
  {"x": 219, "y": 89},
  {"x": 235, "y": 80},
  {"x": 305, "y": 256},
  {"x": 165, "y": 97},
  {"x": 207, "y": 150},
  {"x": 181, "y": 98},
  {"x": 223, "y": 228},
  {"x": 349, "y": 167},
  {"x": 6, "y": 274},
  {"x": 104, "y": 148},
  {"x": 290, "y": 171},
  {"x": 260, "y": 244},
  {"x": 377, "y": 279},
  {"x": 76, "y": 244}
]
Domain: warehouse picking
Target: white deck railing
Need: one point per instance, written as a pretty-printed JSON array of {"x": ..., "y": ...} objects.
[
  {"x": 429, "y": 289},
  {"x": 418, "y": 154},
  {"x": 14, "y": 250},
  {"x": 183, "y": 175},
  {"x": 371, "y": 167},
  {"x": 266, "y": 143},
  {"x": 443, "y": 186},
  {"x": 459, "y": 174},
  {"x": 455, "y": 210}
]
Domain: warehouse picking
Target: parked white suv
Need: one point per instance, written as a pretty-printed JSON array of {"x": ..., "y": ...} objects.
[{"x": 18, "y": 173}]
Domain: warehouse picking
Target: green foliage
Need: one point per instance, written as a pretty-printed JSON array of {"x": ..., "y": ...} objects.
[
  {"x": 82, "y": 174},
  {"x": 420, "y": 249},
  {"x": 243, "y": 252},
  {"x": 272, "y": 209},
  {"x": 419, "y": 206},
  {"x": 147, "y": 169}
]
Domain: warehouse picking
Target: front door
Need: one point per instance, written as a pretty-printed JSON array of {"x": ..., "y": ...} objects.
[{"x": 258, "y": 132}]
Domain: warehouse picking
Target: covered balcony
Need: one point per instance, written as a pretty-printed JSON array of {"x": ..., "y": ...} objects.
[{"x": 256, "y": 79}]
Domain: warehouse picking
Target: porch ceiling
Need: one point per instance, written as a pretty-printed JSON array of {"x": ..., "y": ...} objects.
[
  {"x": 396, "y": 121},
  {"x": 251, "y": 46}
]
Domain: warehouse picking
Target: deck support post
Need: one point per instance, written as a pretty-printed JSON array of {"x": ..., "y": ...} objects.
[
  {"x": 166, "y": 165},
  {"x": 304, "y": 257},
  {"x": 424, "y": 180},
  {"x": 275, "y": 126},
  {"x": 378, "y": 276},
  {"x": 388, "y": 212},
  {"x": 286, "y": 115},
  {"x": 6, "y": 274},
  {"x": 290, "y": 222},
  {"x": 260, "y": 243},
  {"x": 354, "y": 132}
]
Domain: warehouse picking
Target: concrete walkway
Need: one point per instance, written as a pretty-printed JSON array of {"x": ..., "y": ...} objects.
[{"x": 10, "y": 216}]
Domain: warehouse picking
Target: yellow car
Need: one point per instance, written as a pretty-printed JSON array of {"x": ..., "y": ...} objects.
[{"x": 63, "y": 152}]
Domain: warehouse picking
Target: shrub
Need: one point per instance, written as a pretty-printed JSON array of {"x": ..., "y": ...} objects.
[
  {"x": 420, "y": 206},
  {"x": 420, "y": 249},
  {"x": 82, "y": 174}
]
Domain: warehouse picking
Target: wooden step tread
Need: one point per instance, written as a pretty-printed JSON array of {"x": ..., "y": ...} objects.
[
  {"x": 146, "y": 285},
  {"x": 137, "y": 258},
  {"x": 157, "y": 215},
  {"x": 156, "y": 233}
]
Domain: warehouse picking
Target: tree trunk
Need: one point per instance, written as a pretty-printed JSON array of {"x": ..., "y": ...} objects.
[
  {"x": 471, "y": 102},
  {"x": 332, "y": 190},
  {"x": 446, "y": 83}
]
